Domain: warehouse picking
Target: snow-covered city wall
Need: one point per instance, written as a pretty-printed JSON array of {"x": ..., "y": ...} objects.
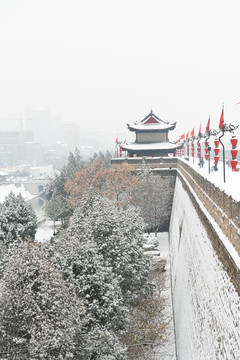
[{"x": 206, "y": 304}]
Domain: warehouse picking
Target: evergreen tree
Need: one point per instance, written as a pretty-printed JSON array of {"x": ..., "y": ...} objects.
[
  {"x": 75, "y": 163},
  {"x": 57, "y": 199},
  {"x": 145, "y": 171},
  {"x": 56, "y": 206},
  {"x": 17, "y": 219},
  {"x": 94, "y": 281},
  {"x": 118, "y": 237},
  {"x": 154, "y": 201},
  {"x": 108, "y": 158},
  {"x": 93, "y": 158},
  {"x": 40, "y": 317},
  {"x": 103, "y": 344}
]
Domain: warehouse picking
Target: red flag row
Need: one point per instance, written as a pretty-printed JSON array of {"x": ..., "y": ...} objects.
[{"x": 191, "y": 134}]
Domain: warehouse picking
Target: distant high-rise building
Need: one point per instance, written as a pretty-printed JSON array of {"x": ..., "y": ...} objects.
[
  {"x": 71, "y": 136},
  {"x": 13, "y": 146},
  {"x": 46, "y": 128}
]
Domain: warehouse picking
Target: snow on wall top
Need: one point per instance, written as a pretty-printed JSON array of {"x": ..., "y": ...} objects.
[{"x": 231, "y": 186}]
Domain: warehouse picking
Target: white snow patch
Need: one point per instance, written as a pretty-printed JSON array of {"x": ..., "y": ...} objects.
[
  {"x": 232, "y": 178},
  {"x": 45, "y": 230},
  {"x": 6, "y": 189}
]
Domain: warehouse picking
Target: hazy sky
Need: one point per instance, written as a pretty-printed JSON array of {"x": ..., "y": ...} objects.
[{"x": 105, "y": 63}]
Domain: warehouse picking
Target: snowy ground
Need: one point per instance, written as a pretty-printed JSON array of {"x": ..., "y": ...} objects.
[{"x": 45, "y": 230}]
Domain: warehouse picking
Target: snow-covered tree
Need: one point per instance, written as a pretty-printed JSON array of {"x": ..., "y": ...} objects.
[
  {"x": 74, "y": 164},
  {"x": 118, "y": 237},
  {"x": 3, "y": 253},
  {"x": 54, "y": 210},
  {"x": 154, "y": 200},
  {"x": 102, "y": 344},
  {"x": 94, "y": 281},
  {"x": 40, "y": 317},
  {"x": 145, "y": 171},
  {"x": 108, "y": 157},
  {"x": 57, "y": 205},
  {"x": 17, "y": 219}
]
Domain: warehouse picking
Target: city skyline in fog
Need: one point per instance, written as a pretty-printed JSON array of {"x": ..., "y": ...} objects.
[{"x": 101, "y": 65}]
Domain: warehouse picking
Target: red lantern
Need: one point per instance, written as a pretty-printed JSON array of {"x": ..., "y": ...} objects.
[
  {"x": 216, "y": 150},
  {"x": 234, "y": 152},
  {"x": 199, "y": 151},
  {"x": 234, "y": 164},
  {"x": 234, "y": 141},
  {"x": 216, "y": 159},
  {"x": 120, "y": 151},
  {"x": 206, "y": 150}
]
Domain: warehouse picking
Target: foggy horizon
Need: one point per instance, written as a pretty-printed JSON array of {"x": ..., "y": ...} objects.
[{"x": 104, "y": 64}]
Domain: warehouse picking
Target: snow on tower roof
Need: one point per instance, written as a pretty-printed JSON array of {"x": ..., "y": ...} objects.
[
  {"x": 152, "y": 146},
  {"x": 151, "y": 122}
]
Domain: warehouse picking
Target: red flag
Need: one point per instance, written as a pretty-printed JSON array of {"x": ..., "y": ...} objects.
[
  {"x": 178, "y": 141},
  {"x": 116, "y": 140},
  {"x": 192, "y": 133},
  {"x": 187, "y": 136},
  {"x": 208, "y": 125},
  {"x": 221, "y": 122},
  {"x": 199, "y": 131},
  {"x": 182, "y": 137}
]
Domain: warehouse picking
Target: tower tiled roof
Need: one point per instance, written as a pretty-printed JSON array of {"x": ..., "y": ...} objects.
[{"x": 150, "y": 123}]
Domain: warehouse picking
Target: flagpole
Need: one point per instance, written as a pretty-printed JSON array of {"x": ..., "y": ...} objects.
[
  {"x": 209, "y": 149},
  {"x": 222, "y": 124},
  {"x": 193, "y": 149},
  {"x": 224, "y": 175}
]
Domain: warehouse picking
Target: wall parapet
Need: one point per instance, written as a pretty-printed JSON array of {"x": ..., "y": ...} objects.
[
  {"x": 222, "y": 207},
  {"x": 153, "y": 162}
]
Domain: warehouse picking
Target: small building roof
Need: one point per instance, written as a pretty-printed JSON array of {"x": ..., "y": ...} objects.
[{"x": 150, "y": 123}]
